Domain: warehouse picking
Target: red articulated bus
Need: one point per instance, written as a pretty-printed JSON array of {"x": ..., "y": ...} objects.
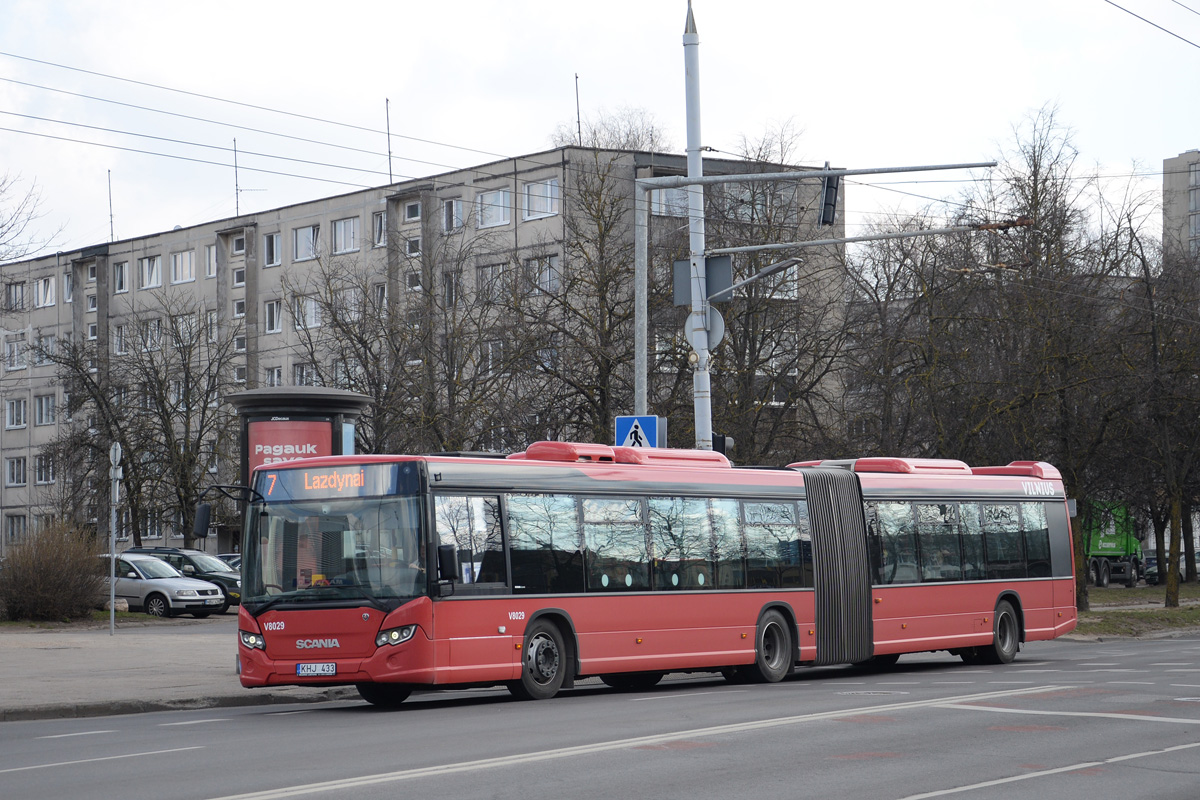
[{"x": 569, "y": 561}]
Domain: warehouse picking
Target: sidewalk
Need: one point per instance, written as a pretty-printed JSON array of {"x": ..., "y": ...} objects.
[{"x": 167, "y": 664}]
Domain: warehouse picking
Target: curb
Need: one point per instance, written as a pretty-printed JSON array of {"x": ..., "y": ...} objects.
[{"x": 117, "y": 707}]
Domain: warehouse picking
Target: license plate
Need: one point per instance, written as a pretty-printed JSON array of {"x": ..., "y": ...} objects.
[
  {"x": 213, "y": 601},
  {"x": 307, "y": 670}
]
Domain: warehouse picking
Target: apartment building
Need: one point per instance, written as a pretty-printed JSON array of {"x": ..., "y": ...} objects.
[
  {"x": 261, "y": 281},
  {"x": 1181, "y": 204}
]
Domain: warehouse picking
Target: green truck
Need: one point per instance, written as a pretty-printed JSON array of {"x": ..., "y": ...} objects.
[{"x": 1114, "y": 552}]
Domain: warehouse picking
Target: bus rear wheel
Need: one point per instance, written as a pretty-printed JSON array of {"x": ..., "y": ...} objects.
[
  {"x": 384, "y": 695},
  {"x": 542, "y": 663},
  {"x": 1006, "y": 636},
  {"x": 773, "y": 651},
  {"x": 632, "y": 681}
]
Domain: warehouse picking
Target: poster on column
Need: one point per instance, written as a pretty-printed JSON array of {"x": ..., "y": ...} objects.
[{"x": 271, "y": 441}]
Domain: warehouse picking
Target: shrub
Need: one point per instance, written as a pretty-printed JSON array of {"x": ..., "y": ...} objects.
[{"x": 54, "y": 575}]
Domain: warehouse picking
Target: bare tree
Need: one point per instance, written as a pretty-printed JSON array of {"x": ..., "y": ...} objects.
[{"x": 18, "y": 211}]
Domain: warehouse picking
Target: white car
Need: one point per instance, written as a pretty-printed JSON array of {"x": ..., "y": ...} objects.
[{"x": 154, "y": 586}]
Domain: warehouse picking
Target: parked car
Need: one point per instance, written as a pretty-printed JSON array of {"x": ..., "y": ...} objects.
[
  {"x": 154, "y": 586},
  {"x": 197, "y": 564},
  {"x": 232, "y": 559},
  {"x": 1151, "y": 573}
]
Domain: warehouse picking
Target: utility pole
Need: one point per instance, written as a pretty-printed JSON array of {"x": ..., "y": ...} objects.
[{"x": 697, "y": 323}]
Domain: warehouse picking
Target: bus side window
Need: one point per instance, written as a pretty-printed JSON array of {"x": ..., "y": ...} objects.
[
  {"x": 972, "y": 542},
  {"x": 937, "y": 534},
  {"x": 898, "y": 557},
  {"x": 1037, "y": 539},
  {"x": 728, "y": 553},
  {"x": 1003, "y": 541},
  {"x": 614, "y": 535},
  {"x": 544, "y": 543},
  {"x": 682, "y": 541},
  {"x": 472, "y": 526},
  {"x": 772, "y": 545}
]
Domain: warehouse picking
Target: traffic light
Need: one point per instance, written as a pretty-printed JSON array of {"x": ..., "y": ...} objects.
[
  {"x": 829, "y": 197},
  {"x": 722, "y": 444}
]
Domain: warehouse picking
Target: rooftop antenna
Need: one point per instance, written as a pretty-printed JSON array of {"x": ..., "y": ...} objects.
[
  {"x": 237, "y": 190},
  {"x": 387, "y": 112},
  {"x": 578, "y": 121},
  {"x": 112, "y": 237}
]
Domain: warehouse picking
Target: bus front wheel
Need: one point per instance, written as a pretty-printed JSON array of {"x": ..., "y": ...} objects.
[
  {"x": 542, "y": 663},
  {"x": 773, "y": 651},
  {"x": 384, "y": 695}
]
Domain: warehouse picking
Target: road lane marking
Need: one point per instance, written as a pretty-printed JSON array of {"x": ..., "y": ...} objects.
[
  {"x": 689, "y": 694},
  {"x": 341, "y": 786},
  {"x": 103, "y": 758},
  {"x": 193, "y": 722},
  {"x": 1098, "y": 714},
  {"x": 66, "y": 735},
  {"x": 1046, "y": 772}
]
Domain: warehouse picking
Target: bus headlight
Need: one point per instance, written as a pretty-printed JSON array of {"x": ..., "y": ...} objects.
[
  {"x": 254, "y": 641},
  {"x": 395, "y": 635}
]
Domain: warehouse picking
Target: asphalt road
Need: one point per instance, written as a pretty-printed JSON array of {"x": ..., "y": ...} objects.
[{"x": 1067, "y": 720}]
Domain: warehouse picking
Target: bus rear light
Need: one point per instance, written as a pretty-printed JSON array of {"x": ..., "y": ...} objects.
[
  {"x": 254, "y": 641},
  {"x": 395, "y": 635}
]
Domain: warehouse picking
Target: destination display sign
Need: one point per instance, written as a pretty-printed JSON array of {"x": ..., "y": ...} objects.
[{"x": 352, "y": 480}]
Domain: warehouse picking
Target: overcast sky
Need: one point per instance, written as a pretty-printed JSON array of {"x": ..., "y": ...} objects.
[{"x": 864, "y": 83}]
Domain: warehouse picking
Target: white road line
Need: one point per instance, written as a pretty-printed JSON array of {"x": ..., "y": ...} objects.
[
  {"x": 1043, "y": 773},
  {"x": 1009, "y": 683},
  {"x": 66, "y": 735},
  {"x": 1186, "y": 685},
  {"x": 341, "y": 787},
  {"x": 104, "y": 758},
  {"x": 1183, "y": 670},
  {"x": 1100, "y": 664},
  {"x": 661, "y": 696},
  {"x": 193, "y": 722},
  {"x": 1173, "y": 664},
  {"x": 1132, "y": 683},
  {"x": 1097, "y": 714}
]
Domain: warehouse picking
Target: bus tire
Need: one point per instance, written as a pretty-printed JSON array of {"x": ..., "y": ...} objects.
[
  {"x": 1102, "y": 569},
  {"x": 632, "y": 681},
  {"x": 384, "y": 695},
  {"x": 543, "y": 663},
  {"x": 1006, "y": 635},
  {"x": 772, "y": 651}
]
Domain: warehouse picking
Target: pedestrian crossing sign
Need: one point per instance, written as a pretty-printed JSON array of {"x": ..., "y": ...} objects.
[{"x": 642, "y": 431}]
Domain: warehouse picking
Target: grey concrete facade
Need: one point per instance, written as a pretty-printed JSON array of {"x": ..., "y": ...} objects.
[{"x": 1181, "y": 204}]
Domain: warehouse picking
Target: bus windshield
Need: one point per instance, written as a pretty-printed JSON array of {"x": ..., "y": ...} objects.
[{"x": 336, "y": 552}]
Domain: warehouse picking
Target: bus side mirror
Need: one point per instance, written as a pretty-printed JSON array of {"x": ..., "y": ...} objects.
[
  {"x": 447, "y": 557},
  {"x": 203, "y": 515}
]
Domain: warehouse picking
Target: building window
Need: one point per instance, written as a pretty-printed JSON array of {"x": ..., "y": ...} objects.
[
  {"x": 44, "y": 469},
  {"x": 151, "y": 271},
  {"x": 452, "y": 217},
  {"x": 304, "y": 242},
  {"x": 93, "y": 330},
  {"x": 345, "y": 235},
  {"x": 412, "y": 211},
  {"x": 119, "y": 278},
  {"x": 273, "y": 316},
  {"x": 14, "y": 354},
  {"x": 14, "y": 297},
  {"x": 491, "y": 359},
  {"x": 272, "y": 250},
  {"x": 543, "y": 274},
  {"x": 120, "y": 340},
  {"x": 210, "y": 261},
  {"x": 413, "y": 246},
  {"x": 210, "y": 325},
  {"x": 379, "y": 296},
  {"x": 239, "y": 308},
  {"x": 68, "y": 287},
  {"x": 14, "y": 527},
  {"x": 152, "y": 334},
  {"x": 493, "y": 208},
  {"x": 239, "y": 344},
  {"x": 16, "y": 413},
  {"x": 239, "y": 276},
  {"x": 91, "y": 302},
  {"x": 183, "y": 266},
  {"x": 91, "y": 272},
  {"x": 304, "y": 375},
  {"x": 488, "y": 278},
  {"x": 239, "y": 245},
  {"x": 14, "y": 474},
  {"x": 412, "y": 281},
  {"x": 239, "y": 374},
  {"x": 452, "y": 287},
  {"x": 669, "y": 202},
  {"x": 47, "y": 344},
  {"x": 43, "y": 409},
  {"x": 541, "y": 199},
  {"x": 43, "y": 292},
  {"x": 307, "y": 312},
  {"x": 273, "y": 376},
  {"x": 379, "y": 228}
]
